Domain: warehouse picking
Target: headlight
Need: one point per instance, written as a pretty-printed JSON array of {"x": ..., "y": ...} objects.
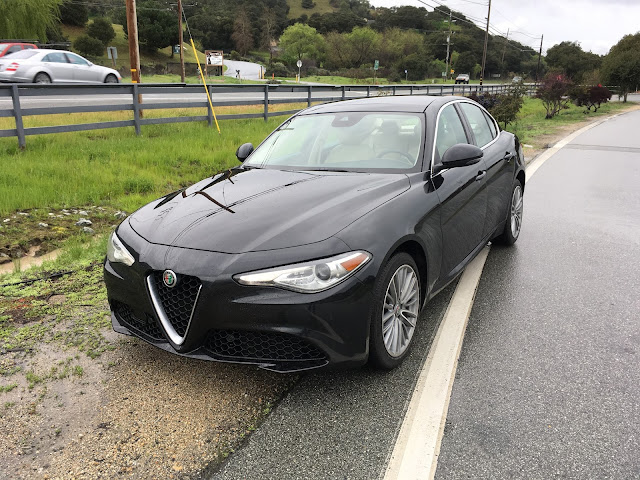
[
  {"x": 116, "y": 251},
  {"x": 309, "y": 277}
]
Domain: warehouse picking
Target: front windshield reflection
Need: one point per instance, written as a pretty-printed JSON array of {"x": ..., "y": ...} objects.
[{"x": 343, "y": 141}]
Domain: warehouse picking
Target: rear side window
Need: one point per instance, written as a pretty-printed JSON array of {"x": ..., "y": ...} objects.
[
  {"x": 14, "y": 49},
  {"x": 76, "y": 60},
  {"x": 450, "y": 131},
  {"x": 55, "y": 57},
  {"x": 24, "y": 54},
  {"x": 492, "y": 124},
  {"x": 478, "y": 123}
]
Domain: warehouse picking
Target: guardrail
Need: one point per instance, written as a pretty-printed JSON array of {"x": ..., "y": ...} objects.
[{"x": 12, "y": 97}]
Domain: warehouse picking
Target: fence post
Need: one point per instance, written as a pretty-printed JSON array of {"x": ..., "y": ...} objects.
[
  {"x": 309, "y": 96},
  {"x": 266, "y": 102},
  {"x": 368, "y": 91},
  {"x": 209, "y": 115},
  {"x": 17, "y": 113},
  {"x": 343, "y": 97},
  {"x": 136, "y": 109},
  {"x": 411, "y": 90}
]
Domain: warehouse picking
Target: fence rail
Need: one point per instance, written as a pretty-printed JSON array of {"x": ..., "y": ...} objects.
[{"x": 21, "y": 100}]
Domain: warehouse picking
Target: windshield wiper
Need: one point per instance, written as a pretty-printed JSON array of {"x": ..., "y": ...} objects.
[{"x": 326, "y": 170}]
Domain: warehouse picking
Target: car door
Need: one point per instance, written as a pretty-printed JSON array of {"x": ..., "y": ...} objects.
[
  {"x": 61, "y": 70},
  {"x": 83, "y": 71},
  {"x": 499, "y": 158},
  {"x": 462, "y": 195}
]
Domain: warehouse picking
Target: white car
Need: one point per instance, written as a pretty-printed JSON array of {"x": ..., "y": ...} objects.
[{"x": 47, "y": 66}]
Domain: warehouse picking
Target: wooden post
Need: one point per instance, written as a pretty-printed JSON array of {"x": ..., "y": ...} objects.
[
  {"x": 266, "y": 102},
  {"x": 134, "y": 51},
  {"x": 136, "y": 108},
  {"x": 180, "y": 41},
  {"x": 17, "y": 113}
]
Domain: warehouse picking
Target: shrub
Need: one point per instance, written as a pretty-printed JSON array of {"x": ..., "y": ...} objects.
[
  {"x": 88, "y": 46},
  {"x": 554, "y": 93},
  {"x": 308, "y": 4},
  {"x": 278, "y": 69},
  {"x": 101, "y": 29},
  {"x": 503, "y": 107},
  {"x": 590, "y": 97}
]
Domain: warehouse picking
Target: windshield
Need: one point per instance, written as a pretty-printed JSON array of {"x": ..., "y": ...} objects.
[
  {"x": 22, "y": 54},
  {"x": 343, "y": 141}
]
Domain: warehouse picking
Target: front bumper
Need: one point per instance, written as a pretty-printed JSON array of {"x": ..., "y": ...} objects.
[{"x": 273, "y": 328}]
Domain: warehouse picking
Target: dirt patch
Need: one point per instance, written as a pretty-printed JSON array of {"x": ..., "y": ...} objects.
[
  {"x": 80, "y": 401},
  {"x": 36, "y": 232}
]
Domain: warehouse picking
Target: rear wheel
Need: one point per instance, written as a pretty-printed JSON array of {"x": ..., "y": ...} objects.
[
  {"x": 395, "y": 311},
  {"x": 513, "y": 224},
  {"x": 42, "y": 78},
  {"x": 111, "y": 78}
]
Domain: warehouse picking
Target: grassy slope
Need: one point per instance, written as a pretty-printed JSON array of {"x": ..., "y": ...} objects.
[
  {"x": 296, "y": 10},
  {"x": 121, "y": 43}
]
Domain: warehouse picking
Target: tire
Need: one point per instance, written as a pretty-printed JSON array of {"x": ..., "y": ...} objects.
[
  {"x": 111, "y": 78},
  {"x": 42, "y": 78},
  {"x": 513, "y": 225},
  {"x": 394, "y": 319}
]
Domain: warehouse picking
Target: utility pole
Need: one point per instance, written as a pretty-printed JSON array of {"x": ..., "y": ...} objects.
[
  {"x": 132, "y": 33},
  {"x": 503, "y": 51},
  {"x": 448, "y": 44},
  {"x": 539, "y": 57},
  {"x": 180, "y": 41},
  {"x": 486, "y": 40}
]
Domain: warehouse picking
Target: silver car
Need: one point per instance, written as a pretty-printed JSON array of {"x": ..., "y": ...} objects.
[{"x": 47, "y": 66}]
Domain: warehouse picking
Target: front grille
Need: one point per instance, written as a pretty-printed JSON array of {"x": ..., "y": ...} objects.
[
  {"x": 260, "y": 346},
  {"x": 148, "y": 326},
  {"x": 178, "y": 301}
]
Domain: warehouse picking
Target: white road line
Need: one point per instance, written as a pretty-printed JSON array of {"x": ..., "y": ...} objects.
[{"x": 415, "y": 454}]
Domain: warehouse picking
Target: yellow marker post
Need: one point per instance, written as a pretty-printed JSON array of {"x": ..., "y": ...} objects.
[{"x": 204, "y": 82}]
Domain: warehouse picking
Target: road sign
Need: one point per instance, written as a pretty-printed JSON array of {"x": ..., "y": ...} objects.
[
  {"x": 444, "y": 74},
  {"x": 112, "y": 53},
  {"x": 176, "y": 49},
  {"x": 299, "y": 63},
  {"x": 376, "y": 65}
]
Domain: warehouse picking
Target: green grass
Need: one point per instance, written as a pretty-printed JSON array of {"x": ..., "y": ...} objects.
[
  {"x": 114, "y": 167},
  {"x": 296, "y": 10},
  {"x": 531, "y": 126}
]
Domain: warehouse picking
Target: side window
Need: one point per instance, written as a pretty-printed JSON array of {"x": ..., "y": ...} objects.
[
  {"x": 478, "y": 123},
  {"x": 13, "y": 49},
  {"x": 492, "y": 124},
  {"x": 449, "y": 132},
  {"x": 55, "y": 57},
  {"x": 76, "y": 60}
]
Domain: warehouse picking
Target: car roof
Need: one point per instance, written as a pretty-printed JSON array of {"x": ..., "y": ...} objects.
[{"x": 398, "y": 103}]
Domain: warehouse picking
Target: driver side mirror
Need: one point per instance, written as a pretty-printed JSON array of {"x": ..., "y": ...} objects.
[
  {"x": 461, "y": 155},
  {"x": 244, "y": 151}
]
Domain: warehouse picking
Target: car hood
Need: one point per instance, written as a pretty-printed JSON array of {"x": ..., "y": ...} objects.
[{"x": 263, "y": 209}]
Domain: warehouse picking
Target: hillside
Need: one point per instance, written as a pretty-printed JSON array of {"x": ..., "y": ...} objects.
[
  {"x": 321, "y": 6},
  {"x": 162, "y": 56}
]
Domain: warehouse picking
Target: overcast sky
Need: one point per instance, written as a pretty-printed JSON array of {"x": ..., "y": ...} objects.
[{"x": 596, "y": 24}]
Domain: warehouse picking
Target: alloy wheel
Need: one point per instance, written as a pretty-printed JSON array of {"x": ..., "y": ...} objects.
[
  {"x": 400, "y": 311},
  {"x": 516, "y": 211}
]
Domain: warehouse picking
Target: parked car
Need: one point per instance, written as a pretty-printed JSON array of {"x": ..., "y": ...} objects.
[
  {"x": 516, "y": 79},
  {"x": 462, "y": 78},
  {"x": 47, "y": 66},
  {"x": 7, "y": 48},
  {"x": 325, "y": 243}
]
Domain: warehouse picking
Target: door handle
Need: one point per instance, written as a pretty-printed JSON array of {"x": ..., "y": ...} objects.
[
  {"x": 508, "y": 156},
  {"x": 481, "y": 175}
]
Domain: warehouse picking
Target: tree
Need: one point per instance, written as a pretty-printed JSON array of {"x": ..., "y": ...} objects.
[
  {"x": 101, "y": 29},
  {"x": 268, "y": 31},
  {"x": 590, "y": 97},
  {"x": 88, "y": 46},
  {"x": 28, "y": 18},
  {"x": 621, "y": 66},
  {"x": 301, "y": 40},
  {"x": 241, "y": 35},
  {"x": 72, "y": 13},
  {"x": 554, "y": 93},
  {"x": 465, "y": 62},
  {"x": 362, "y": 42},
  {"x": 157, "y": 28},
  {"x": 572, "y": 60}
]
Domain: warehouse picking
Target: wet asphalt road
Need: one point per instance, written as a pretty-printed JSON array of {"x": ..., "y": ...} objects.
[
  {"x": 548, "y": 382},
  {"x": 337, "y": 425}
]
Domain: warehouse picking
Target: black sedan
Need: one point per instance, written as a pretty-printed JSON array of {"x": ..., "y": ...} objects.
[{"x": 324, "y": 244}]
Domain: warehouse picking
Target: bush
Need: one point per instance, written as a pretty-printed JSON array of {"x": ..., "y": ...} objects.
[
  {"x": 503, "y": 107},
  {"x": 278, "y": 69},
  {"x": 308, "y": 4},
  {"x": 554, "y": 93},
  {"x": 101, "y": 29},
  {"x": 590, "y": 97},
  {"x": 88, "y": 46}
]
